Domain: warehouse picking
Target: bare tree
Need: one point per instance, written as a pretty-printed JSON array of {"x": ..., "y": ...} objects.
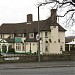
[
  {"x": 70, "y": 13},
  {"x": 68, "y": 6}
]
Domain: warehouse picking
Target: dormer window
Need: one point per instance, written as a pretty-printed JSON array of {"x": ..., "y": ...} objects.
[
  {"x": 19, "y": 35},
  {"x": 31, "y": 35}
]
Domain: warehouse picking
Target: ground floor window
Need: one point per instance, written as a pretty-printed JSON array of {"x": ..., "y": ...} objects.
[
  {"x": 18, "y": 46},
  {"x": 46, "y": 48}
]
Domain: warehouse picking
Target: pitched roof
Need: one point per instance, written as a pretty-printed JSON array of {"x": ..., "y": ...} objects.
[
  {"x": 28, "y": 27},
  {"x": 69, "y": 39}
]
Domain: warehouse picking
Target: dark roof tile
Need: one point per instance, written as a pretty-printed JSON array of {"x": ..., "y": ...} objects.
[{"x": 9, "y": 28}]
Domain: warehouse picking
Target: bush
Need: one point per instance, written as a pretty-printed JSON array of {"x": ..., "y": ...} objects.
[
  {"x": 35, "y": 53},
  {"x": 11, "y": 51}
]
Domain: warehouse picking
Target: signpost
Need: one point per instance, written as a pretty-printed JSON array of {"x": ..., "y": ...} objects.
[
  {"x": 11, "y": 58},
  {"x": 37, "y": 37}
]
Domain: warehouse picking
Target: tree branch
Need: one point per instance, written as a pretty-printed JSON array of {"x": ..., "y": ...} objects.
[
  {"x": 67, "y": 3},
  {"x": 67, "y": 12}
]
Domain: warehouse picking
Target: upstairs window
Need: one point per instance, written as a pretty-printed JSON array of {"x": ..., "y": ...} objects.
[
  {"x": 2, "y": 35},
  {"x": 50, "y": 40},
  {"x": 17, "y": 35},
  {"x": 46, "y": 34},
  {"x": 58, "y": 40},
  {"x": 24, "y": 34},
  {"x": 46, "y": 41},
  {"x": 46, "y": 48},
  {"x": 31, "y": 35}
]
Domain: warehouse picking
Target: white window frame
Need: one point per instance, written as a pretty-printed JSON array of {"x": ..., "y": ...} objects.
[
  {"x": 31, "y": 35},
  {"x": 19, "y": 35},
  {"x": 18, "y": 46},
  {"x": 2, "y": 36}
]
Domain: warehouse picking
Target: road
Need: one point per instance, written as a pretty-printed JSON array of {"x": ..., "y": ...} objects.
[
  {"x": 35, "y": 68},
  {"x": 40, "y": 71},
  {"x": 36, "y": 64}
]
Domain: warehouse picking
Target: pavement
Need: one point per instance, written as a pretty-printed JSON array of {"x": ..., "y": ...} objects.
[{"x": 33, "y": 65}]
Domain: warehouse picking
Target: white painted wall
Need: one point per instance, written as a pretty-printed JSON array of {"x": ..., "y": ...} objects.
[
  {"x": 54, "y": 46},
  {"x": 34, "y": 47},
  {"x": 62, "y": 38}
]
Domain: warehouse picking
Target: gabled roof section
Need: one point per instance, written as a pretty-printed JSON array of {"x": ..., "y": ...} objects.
[
  {"x": 69, "y": 39},
  {"x": 9, "y": 28},
  {"x": 48, "y": 22}
]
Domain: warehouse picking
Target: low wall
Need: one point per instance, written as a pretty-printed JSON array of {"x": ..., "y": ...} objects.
[
  {"x": 56, "y": 57},
  {"x": 34, "y": 58}
]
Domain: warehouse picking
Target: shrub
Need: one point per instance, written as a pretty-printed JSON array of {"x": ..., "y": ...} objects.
[
  {"x": 35, "y": 53},
  {"x": 11, "y": 51}
]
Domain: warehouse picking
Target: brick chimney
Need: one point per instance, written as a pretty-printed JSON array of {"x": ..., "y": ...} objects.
[
  {"x": 29, "y": 18},
  {"x": 54, "y": 15}
]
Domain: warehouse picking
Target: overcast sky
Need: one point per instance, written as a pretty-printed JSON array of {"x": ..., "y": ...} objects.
[
  {"x": 15, "y": 11},
  {"x": 12, "y": 11}
]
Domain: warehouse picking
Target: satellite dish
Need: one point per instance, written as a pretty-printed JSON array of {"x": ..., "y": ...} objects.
[{"x": 37, "y": 37}]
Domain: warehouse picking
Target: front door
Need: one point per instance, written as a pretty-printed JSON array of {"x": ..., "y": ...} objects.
[{"x": 4, "y": 48}]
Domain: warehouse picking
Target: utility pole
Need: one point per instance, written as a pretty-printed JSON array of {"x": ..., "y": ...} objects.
[{"x": 38, "y": 37}]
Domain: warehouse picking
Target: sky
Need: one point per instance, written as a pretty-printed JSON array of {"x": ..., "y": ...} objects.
[{"x": 16, "y": 11}]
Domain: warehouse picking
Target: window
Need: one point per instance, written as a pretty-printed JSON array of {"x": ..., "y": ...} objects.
[
  {"x": 46, "y": 34},
  {"x": 31, "y": 35},
  {"x": 11, "y": 36},
  {"x": 50, "y": 40},
  {"x": 2, "y": 36},
  {"x": 46, "y": 48},
  {"x": 24, "y": 34},
  {"x": 18, "y": 46},
  {"x": 46, "y": 41},
  {"x": 58, "y": 40},
  {"x": 19, "y": 35},
  {"x": 61, "y": 48}
]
